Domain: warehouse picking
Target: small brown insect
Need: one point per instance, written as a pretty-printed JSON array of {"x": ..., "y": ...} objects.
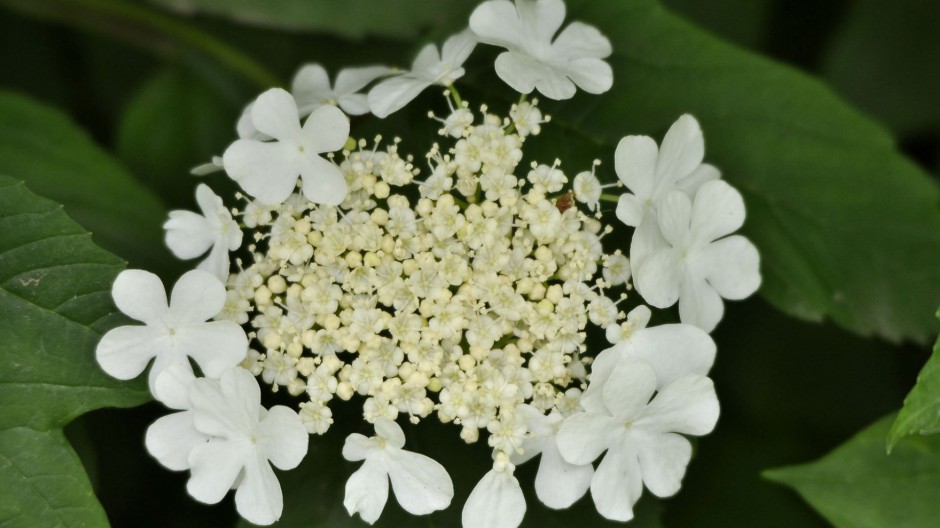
[{"x": 564, "y": 202}]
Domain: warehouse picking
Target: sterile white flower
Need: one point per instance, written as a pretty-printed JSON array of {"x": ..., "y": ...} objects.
[
  {"x": 174, "y": 331},
  {"x": 311, "y": 88},
  {"x": 558, "y": 483},
  {"x": 497, "y": 500},
  {"x": 421, "y": 485},
  {"x": 428, "y": 68},
  {"x": 269, "y": 170},
  {"x": 171, "y": 438},
  {"x": 700, "y": 264},
  {"x": 246, "y": 440},
  {"x": 639, "y": 434},
  {"x": 534, "y": 59},
  {"x": 189, "y": 235}
]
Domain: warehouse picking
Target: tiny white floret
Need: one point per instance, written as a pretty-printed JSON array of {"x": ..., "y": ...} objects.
[{"x": 189, "y": 235}]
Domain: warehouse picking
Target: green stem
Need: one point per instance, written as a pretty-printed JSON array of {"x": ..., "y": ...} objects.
[
  {"x": 453, "y": 91},
  {"x": 138, "y": 24},
  {"x": 610, "y": 198}
]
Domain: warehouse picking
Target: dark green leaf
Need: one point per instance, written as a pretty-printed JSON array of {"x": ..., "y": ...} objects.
[
  {"x": 921, "y": 411},
  {"x": 58, "y": 160},
  {"x": 54, "y": 302},
  {"x": 859, "y": 486}
]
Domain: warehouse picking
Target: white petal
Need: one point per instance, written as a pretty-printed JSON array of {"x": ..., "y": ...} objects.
[
  {"x": 171, "y": 438},
  {"x": 579, "y": 40},
  {"x": 246, "y": 128},
  {"x": 674, "y": 215},
  {"x": 267, "y": 171},
  {"x": 659, "y": 277},
  {"x": 731, "y": 265},
  {"x": 495, "y": 502},
  {"x": 421, "y": 485},
  {"x": 699, "y": 303},
  {"x": 367, "y": 491},
  {"x": 275, "y": 113},
  {"x": 630, "y": 210},
  {"x": 354, "y": 104},
  {"x": 427, "y": 62},
  {"x": 457, "y": 49},
  {"x": 392, "y": 94},
  {"x": 681, "y": 152},
  {"x": 584, "y": 436},
  {"x": 124, "y": 351},
  {"x": 718, "y": 211},
  {"x": 350, "y": 80},
  {"x": 592, "y": 400},
  {"x": 214, "y": 467},
  {"x": 390, "y": 431},
  {"x": 497, "y": 22},
  {"x": 523, "y": 74},
  {"x": 282, "y": 437},
  {"x": 228, "y": 407},
  {"x": 258, "y": 498},
  {"x": 687, "y": 405},
  {"x": 197, "y": 296},
  {"x": 591, "y": 75},
  {"x": 323, "y": 182},
  {"x": 617, "y": 483},
  {"x": 326, "y": 130},
  {"x": 357, "y": 447},
  {"x": 647, "y": 239},
  {"x": 218, "y": 262},
  {"x": 216, "y": 346},
  {"x": 541, "y": 18},
  {"x": 140, "y": 295},
  {"x": 558, "y": 483},
  {"x": 310, "y": 86},
  {"x": 672, "y": 350},
  {"x": 635, "y": 165},
  {"x": 629, "y": 388},
  {"x": 171, "y": 387},
  {"x": 700, "y": 176},
  {"x": 188, "y": 234},
  {"x": 663, "y": 459},
  {"x": 169, "y": 357}
]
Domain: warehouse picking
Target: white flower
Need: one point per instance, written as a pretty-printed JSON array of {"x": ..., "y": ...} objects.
[
  {"x": 171, "y": 438},
  {"x": 699, "y": 267},
  {"x": 311, "y": 88},
  {"x": 650, "y": 173},
  {"x": 421, "y": 485},
  {"x": 246, "y": 440},
  {"x": 189, "y": 235},
  {"x": 215, "y": 165},
  {"x": 638, "y": 434},
  {"x": 496, "y": 501},
  {"x": 428, "y": 68},
  {"x": 269, "y": 170},
  {"x": 534, "y": 60},
  {"x": 558, "y": 483},
  {"x": 174, "y": 332}
]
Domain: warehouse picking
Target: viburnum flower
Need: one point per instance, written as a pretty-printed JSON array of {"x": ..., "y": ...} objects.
[
  {"x": 429, "y": 68},
  {"x": 189, "y": 235},
  {"x": 174, "y": 331},
  {"x": 639, "y": 434},
  {"x": 497, "y": 500},
  {"x": 534, "y": 59},
  {"x": 700, "y": 264},
  {"x": 268, "y": 170},
  {"x": 171, "y": 438},
  {"x": 421, "y": 485},
  {"x": 245, "y": 440},
  {"x": 311, "y": 88}
]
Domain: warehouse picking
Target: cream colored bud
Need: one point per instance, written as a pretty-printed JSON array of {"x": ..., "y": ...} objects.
[
  {"x": 295, "y": 349},
  {"x": 524, "y": 345},
  {"x": 425, "y": 206},
  {"x": 409, "y": 266},
  {"x": 305, "y": 366},
  {"x": 302, "y": 226},
  {"x": 555, "y": 293},
  {"x": 262, "y": 296},
  {"x": 277, "y": 284},
  {"x": 344, "y": 390},
  {"x": 470, "y": 434},
  {"x": 538, "y": 292},
  {"x": 545, "y": 307},
  {"x": 466, "y": 362},
  {"x": 296, "y": 387},
  {"x": 379, "y": 216},
  {"x": 543, "y": 253},
  {"x": 382, "y": 190},
  {"x": 333, "y": 363},
  {"x": 434, "y": 385},
  {"x": 314, "y": 238},
  {"x": 405, "y": 370},
  {"x": 524, "y": 286},
  {"x": 353, "y": 259},
  {"x": 388, "y": 244},
  {"x": 271, "y": 340},
  {"x": 331, "y": 322}
]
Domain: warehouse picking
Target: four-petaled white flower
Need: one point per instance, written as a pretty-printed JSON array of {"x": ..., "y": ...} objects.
[
  {"x": 171, "y": 438},
  {"x": 189, "y": 235},
  {"x": 497, "y": 500},
  {"x": 651, "y": 172},
  {"x": 639, "y": 434},
  {"x": 534, "y": 60},
  {"x": 558, "y": 483},
  {"x": 700, "y": 264},
  {"x": 268, "y": 170},
  {"x": 174, "y": 331},
  {"x": 429, "y": 68},
  {"x": 245, "y": 440},
  {"x": 421, "y": 485},
  {"x": 311, "y": 88}
]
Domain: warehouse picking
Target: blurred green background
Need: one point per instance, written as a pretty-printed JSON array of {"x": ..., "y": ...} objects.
[{"x": 791, "y": 391}]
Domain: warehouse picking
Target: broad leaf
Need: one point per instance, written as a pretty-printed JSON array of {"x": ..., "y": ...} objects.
[
  {"x": 921, "y": 411},
  {"x": 54, "y": 302},
  {"x": 859, "y": 486},
  {"x": 58, "y": 160}
]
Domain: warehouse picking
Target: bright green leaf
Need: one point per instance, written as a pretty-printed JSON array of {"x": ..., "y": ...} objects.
[
  {"x": 859, "y": 486},
  {"x": 54, "y": 302},
  {"x": 350, "y": 18},
  {"x": 921, "y": 411},
  {"x": 45, "y": 149}
]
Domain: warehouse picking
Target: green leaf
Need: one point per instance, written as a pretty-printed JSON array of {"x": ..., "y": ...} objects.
[
  {"x": 848, "y": 228},
  {"x": 859, "y": 486},
  {"x": 58, "y": 160},
  {"x": 350, "y": 18},
  {"x": 54, "y": 302},
  {"x": 921, "y": 411}
]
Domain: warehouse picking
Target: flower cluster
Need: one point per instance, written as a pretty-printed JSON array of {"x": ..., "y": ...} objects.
[{"x": 461, "y": 287}]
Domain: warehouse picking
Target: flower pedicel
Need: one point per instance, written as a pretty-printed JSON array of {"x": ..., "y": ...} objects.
[{"x": 462, "y": 293}]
